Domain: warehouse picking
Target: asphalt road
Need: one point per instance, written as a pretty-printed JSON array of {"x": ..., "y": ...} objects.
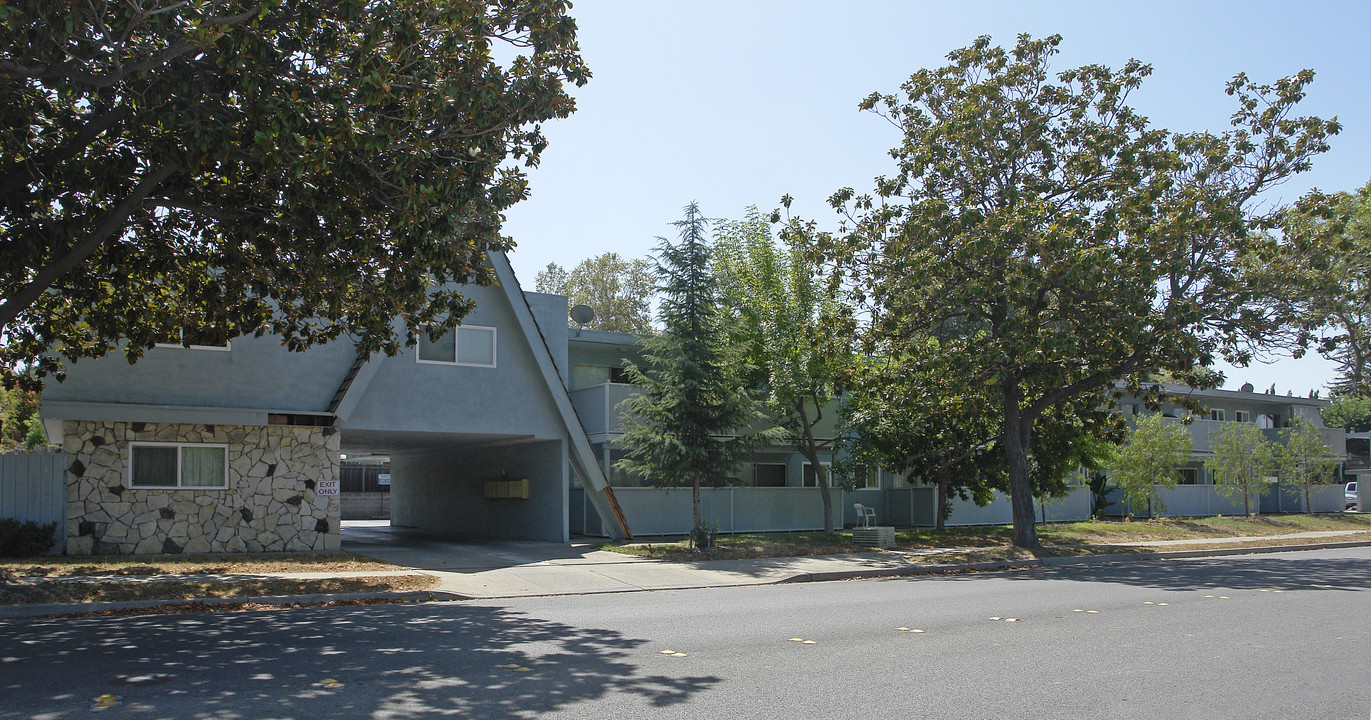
[{"x": 1266, "y": 636}]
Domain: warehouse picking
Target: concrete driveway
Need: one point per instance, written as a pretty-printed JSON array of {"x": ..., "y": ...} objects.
[
  {"x": 514, "y": 568},
  {"x": 423, "y": 551}
]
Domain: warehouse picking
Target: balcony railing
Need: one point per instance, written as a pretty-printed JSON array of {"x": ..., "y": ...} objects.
[{"x": 1203, "y": 433}]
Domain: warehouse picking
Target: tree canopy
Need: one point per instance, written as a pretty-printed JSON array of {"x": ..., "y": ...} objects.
[
  {"x": 1241, "y": 461},
  {"x": 777, "y": 313},
  {"x": 1151, "y": 458},
  {"x": 1075, "y": 246},
  {"x": 682, "y": 427},
  {"x": 1327, "y": 280},
  {"x": 618, "y": 289},
  {"x": 212, "y": 168},
  {"x": 1304, "y": 458}
]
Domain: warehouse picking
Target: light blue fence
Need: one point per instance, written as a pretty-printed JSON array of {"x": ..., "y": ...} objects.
[
  {"x": 1072, "y": 507},
  {"x": 33, "y": 487},
  {"x": 1205, "y": 500},
  {"x": 667, "y": 511},
  {"x": 656, "y": 511}
]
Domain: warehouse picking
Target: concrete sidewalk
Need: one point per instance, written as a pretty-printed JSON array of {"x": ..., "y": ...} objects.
[
  {"x": 596, "y": 571},
  {"x": 489, "y": 570}
]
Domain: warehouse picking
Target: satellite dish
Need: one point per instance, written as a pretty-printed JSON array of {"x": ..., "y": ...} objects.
[{"x": 582, "y": 315}]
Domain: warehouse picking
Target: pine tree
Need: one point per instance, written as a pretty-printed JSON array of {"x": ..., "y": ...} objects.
[{"x": 681, "y": 426}]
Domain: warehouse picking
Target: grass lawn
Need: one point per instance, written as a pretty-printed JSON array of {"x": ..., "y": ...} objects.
[
  {"x": 30, "y": 592},
  {"x": 974, "y": 544},
  {"x": 115, "y": 578}
]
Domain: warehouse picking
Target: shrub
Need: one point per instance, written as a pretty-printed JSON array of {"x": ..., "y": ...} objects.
[{"x": 25, "y": 539}]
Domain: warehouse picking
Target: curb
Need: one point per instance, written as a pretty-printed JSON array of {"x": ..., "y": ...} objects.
[
  {"x": 424, "y": 596},
  {"x": 1000, "y": 565},
  {"x": 57, "y": 610}
]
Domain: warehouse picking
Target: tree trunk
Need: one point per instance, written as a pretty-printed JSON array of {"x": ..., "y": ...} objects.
[
  {"x": 811, "y": 453},
  {"x": 694, "y": 503},
  {"x": 1016, "y": 435},
  {"x": 940, "y": 514}
]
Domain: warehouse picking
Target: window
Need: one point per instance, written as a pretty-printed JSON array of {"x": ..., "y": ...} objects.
[
  {"x": 1190, "y": 476},
  {"x": 1242, "y": 416},
  {"x": 1217, "y": 415},
  {"x": 583, "y": 376},
  {"x": 868, "y": 478},
  {"x": 172, "y": 465},
  {"x": 810, "y": 480},
  {"x": 464, "y": 345},
  {"x": 1267, "y": 421},
  {"x": 768, "y": 475}
]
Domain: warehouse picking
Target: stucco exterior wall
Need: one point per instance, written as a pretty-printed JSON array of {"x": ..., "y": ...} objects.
[
  {"x": 270, "y": 503},
  {"x": 444, "y": 493},
  {"x": 510, "y": 398}
]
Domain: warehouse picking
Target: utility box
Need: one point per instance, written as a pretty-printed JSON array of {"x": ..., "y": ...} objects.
[
  {"x": 877, "y": 537},
  {"x": 506, "y": 489}
]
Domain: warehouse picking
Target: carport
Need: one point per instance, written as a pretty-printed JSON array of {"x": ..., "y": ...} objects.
[{"x": 439, "y": 482}]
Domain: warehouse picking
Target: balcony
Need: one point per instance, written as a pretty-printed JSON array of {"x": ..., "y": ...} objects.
[
  {"x": 1203, "y": 433},
  {"x": 597, "y": 405}
]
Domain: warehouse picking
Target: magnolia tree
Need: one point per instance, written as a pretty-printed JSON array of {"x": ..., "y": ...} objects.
[
  {"x": 1073, "y": 247},
  {"x": 193, "y": 171}
]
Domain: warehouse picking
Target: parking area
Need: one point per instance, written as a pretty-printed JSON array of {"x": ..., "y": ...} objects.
[{"x": 423, "y": 550}]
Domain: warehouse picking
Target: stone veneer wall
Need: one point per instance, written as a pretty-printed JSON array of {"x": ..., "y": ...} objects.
[{"x": 270, "y": 504}]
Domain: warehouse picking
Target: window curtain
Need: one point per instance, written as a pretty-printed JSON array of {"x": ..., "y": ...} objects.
[{"x": 202, "y": 467}]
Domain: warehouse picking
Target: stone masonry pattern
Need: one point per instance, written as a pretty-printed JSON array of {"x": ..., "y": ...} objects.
[{"x": 270, "y": 504}]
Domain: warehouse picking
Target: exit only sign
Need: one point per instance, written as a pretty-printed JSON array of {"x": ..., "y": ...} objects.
[{"x": 326, "y": 487}]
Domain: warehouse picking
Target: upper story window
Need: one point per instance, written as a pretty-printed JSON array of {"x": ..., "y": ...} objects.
[
  {"x": 584, "y": 375},
  {"x": 178, "y": 465},
  {"x": 1218, "y": 415},
  {"x": 464, "y": 345},
  {"x": 1242, "y": 416}
]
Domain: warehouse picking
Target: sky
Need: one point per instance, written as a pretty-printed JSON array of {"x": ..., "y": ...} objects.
[{"x": 732, "y": 104}]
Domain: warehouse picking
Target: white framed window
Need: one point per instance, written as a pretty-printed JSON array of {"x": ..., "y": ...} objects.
[
  {"x": 811, "y": 480},
  {"x": 870, "y": 478},
  {"x": 472, "y": 345},
  {"x": 178, "y": 465},
  {"x": 1190, "y": 475},
  {"x": 1217, "y": 415},
  {"x": 1242, "y": 416}
]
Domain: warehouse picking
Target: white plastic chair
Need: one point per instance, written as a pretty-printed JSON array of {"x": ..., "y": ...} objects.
[{"x": 866, "y": 517}]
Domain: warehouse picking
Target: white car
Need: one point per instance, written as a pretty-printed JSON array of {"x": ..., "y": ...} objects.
[{"x": 1349, "y": 497}]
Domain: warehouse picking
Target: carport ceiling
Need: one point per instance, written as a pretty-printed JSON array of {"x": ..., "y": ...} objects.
[{"x": 376, "y": 442}]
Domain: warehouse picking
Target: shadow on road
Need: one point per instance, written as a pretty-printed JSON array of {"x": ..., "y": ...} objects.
[
  {"x": 1238, "y": 573},
  {"x": 399, "y": 661}
]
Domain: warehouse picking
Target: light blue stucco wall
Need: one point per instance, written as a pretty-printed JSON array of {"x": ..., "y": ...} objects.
[
  {"x": 550, "y": 312},
  {"x": 510, "y": 398},
  {"x": 255, "y": 373}
]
